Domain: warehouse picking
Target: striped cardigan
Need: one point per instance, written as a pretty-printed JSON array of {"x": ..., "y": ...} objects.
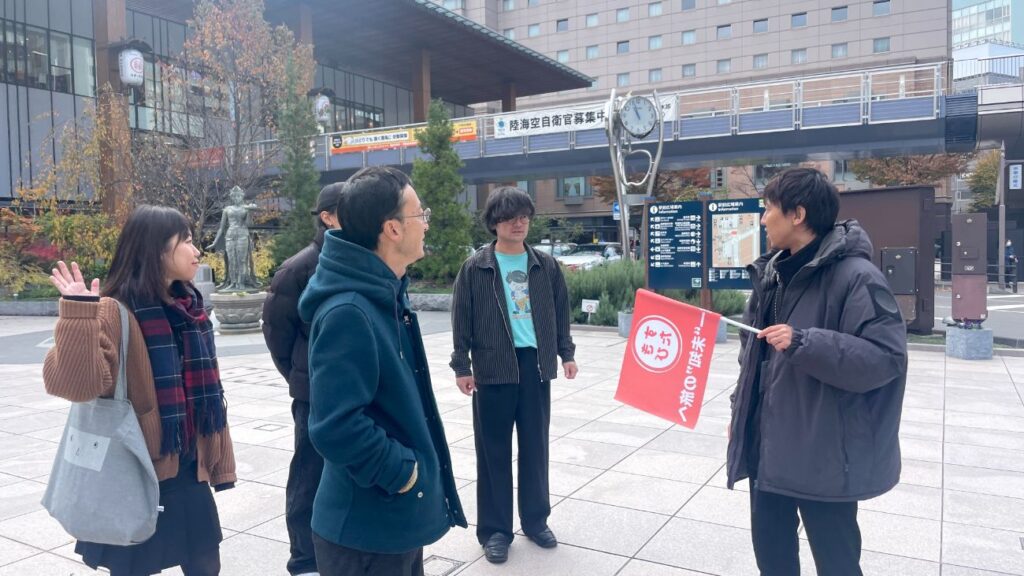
[
  {"x": 484, "y": 347},
  {"x": 82, "y": 365}
]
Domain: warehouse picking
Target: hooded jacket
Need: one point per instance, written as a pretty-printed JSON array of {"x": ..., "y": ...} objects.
[
  {"x": 831, "y": 402},
  {"x": 373, "y": 416}
]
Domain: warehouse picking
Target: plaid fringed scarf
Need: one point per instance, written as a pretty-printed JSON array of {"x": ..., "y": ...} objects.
[{"x": 188, "y": 388}]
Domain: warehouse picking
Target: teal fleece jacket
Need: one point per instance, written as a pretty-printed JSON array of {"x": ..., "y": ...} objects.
[{"x": 373, "y": 415}]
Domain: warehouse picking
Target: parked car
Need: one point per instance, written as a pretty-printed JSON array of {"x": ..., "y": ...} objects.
[
  {"x": 586, "y": 256},
  {"x": 557, "y": 249}
]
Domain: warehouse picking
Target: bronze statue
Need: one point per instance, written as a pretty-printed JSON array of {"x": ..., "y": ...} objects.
[{"x": 234, "y": 241}]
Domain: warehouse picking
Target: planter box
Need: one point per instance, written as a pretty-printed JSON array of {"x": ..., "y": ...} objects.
[
  {"x": 28, "y": 308},
  {"x": 431, "y": 302},
  {"x": 969, "y": 344}
]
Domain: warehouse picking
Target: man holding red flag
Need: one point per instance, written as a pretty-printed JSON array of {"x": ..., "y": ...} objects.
[{"x": 816, "y": 411}]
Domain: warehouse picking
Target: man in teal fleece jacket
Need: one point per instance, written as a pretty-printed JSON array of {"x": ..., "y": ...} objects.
[{"x": 387, "y": 488}]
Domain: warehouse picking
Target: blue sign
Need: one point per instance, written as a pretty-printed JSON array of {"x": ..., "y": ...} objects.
[
  {"x": 733, "y": 239},
  {"x": 674, "y": 232}
]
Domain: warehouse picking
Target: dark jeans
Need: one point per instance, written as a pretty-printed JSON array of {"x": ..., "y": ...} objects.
[
  {"x": 831, "y": 528},
  {"x": 335, "y": 560},
  {"x": 496, "y": 408},
  {"x": 303, "y": 479}
]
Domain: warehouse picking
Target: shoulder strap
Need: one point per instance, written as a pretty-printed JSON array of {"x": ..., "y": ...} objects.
[{"x": 121, "y": 389}]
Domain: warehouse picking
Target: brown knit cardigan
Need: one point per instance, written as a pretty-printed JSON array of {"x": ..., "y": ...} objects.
[{"x": 82, "y": 365}]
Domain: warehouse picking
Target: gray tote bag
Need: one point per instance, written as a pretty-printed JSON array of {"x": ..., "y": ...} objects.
[{"x": 103, "y": 487}]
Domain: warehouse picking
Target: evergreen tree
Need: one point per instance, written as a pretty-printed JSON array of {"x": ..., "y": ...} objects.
[
  {"x": 300, "y": 182},
  {"x": 438, "y": 183}
]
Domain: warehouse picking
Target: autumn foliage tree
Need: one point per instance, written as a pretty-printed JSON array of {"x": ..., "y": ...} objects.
[
  {"x": 926, "y": 169},
  {"x": 221, "y": 98},
  {"x": 669, "y": 186},
  {"x": 983, "y": 180}
]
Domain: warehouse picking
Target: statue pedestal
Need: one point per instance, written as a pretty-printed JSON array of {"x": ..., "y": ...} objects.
[
  {"x": 238, "y": 312},
  {"x": 204, "y": 283},
  {"x": 969, "y": 344}
]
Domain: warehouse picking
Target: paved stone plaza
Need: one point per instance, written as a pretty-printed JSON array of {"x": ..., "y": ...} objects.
[{"x": 632, "y": 495}]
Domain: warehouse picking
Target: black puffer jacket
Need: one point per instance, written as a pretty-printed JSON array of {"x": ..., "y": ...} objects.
[
  {"x": 831, "y": 403},
  {"x": 286, "y": 334}
]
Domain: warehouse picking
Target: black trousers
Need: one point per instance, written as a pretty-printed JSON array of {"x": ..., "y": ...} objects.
[
  {"x": 496, "y": 409},
  {"x": 831, "y": 529},
  {"x": 303, "y": 479},
  {"x": 335, "y": 560}
]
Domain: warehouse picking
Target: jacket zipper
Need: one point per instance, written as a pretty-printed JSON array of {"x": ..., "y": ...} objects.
[
  {"x": 398, "y": 324},
  {"x": 504, "y": 322},
  {"x": 540, "y": 373}
]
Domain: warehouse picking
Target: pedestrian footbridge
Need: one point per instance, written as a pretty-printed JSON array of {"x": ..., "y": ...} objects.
[{"x": 874, "y": 112}]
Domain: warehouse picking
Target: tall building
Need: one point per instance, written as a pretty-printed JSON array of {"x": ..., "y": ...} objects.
[
  {"x": 673, "y": 45},
  {"x": 976, "y": 21}
]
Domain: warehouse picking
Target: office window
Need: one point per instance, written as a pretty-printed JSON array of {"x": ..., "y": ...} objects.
[
  {"x": 654, "y": 43},
  {"x": 689, "y": 70},
  {"x": 798, "y": 56},
  {"x": 454, "y": 4},
  {"x": 689, "y": 4},
  {"x": 562, "y": 25},
  {"x": 760, "y": 61},
  {"x": 510, "y": 33},
  {"x": 572, "y": 187},
  {"x": 591, "y": 20},
  {"x": 724, "y": 32},
  {"x": 533, "y": 3},
  {"x": 880, "y": 45},
  {"x": 622, "y": 15},
  {"x": 689, "y": 37},
  {"x": 654, "y": 75},
  {"x": 654, "y": 9},
  {"x": 724, "y": 2},
  {"x": 507, "y": 5},
  {"x": 719, "y": 178},
  {"x": 533, "y": 30},
  {"x": 724, "y": 66},
  {"x": 562, "y": 56},
  {"x": 798, "y": 20},
  {"x": 85, "y": 67},
  {"x": 622, "y": 79},
  {"x": 60, "y": 62},
  {"x": 593, "y": 52},
  {"x": 622, "y": 47},
  {"x": 594, "y": 83},
  {"x": 760, "y": 26},
  {"x": 840, "y": 50},
  {"x": 881, "y": 8},
  {"x": 840, "y": 13}
]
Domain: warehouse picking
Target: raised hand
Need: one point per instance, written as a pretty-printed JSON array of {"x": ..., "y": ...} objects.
[{"x": 71, "y": 283}]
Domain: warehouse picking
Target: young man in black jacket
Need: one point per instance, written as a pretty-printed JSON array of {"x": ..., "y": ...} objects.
[
  {"x": 816, "y": 411},
  {"x": 510, "y": 313},
  {"x": 287, "y": 337}
]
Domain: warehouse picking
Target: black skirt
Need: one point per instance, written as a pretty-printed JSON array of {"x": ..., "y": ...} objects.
[{"x": 189, "y": 526}]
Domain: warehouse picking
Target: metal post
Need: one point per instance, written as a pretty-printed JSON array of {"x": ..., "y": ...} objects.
[{"x": 1001, "y": 201}]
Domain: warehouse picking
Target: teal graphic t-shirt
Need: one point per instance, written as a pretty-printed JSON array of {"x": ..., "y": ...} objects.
[{"x": 514, "y": 277}]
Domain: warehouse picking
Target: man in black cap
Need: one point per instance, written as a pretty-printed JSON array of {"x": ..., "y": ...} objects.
[{"x": 287, "y": 338}]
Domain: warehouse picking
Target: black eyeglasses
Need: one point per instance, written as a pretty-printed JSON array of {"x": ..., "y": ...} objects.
[{"x": 425, "y": 216}]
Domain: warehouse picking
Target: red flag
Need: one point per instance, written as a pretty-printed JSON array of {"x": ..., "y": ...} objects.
[{"x": 665, "y": 368}]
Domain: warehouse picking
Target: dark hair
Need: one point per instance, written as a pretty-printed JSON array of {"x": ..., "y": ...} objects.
[
  {"x": 137, "y": 269},
  {"x": 809, "y": 188},
  {"x": 372, "y": 196},
  {"x": 506, "y": 203}
]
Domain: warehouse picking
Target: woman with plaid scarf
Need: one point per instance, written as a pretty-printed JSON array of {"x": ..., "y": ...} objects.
[{"x": 173, "y": 384}]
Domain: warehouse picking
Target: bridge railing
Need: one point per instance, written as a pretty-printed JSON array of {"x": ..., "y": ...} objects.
[
  {"x": 975, "y": 72},
  {"x": 872, "y": 96}
]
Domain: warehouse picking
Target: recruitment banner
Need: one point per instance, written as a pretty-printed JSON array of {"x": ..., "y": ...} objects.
[
  {"x": 665, "y": 367},
  {"x": 462, "y": 131},
  {"x": 555, "y": 120}
]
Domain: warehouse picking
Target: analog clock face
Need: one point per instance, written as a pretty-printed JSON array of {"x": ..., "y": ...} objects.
[{"x": 638, "y": 116}]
